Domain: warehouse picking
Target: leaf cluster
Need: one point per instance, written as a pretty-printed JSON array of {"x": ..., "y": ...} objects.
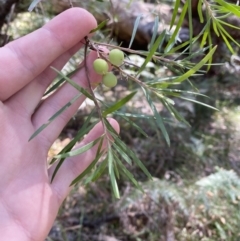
[{"x": 161, "y": 89}]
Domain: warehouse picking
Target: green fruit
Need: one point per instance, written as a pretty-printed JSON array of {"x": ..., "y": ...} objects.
[
  {"x": 100, "y": 66},
  {"x": 116, "y": 57},
  {"x": 109, "y": 80}
]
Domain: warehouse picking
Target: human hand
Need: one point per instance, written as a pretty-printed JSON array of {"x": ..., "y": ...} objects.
[{"x": 28, "y": 201}]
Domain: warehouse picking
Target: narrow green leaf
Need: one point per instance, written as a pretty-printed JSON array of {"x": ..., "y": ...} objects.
[
  {"x": 159, "y": 119},
  {"x": 33, "y": 5},
  {"x": 175, "y": 12},
  {"x": 172, "y": 40},
  {"x": 206, "y": 34},
  {"x": 59, "y": 82},
  {"x": 118, "y": 105},
  {"x": 190, "y": 24},
  {"x": 60, "y": 162},
  {"x": 126, "y": 150},
  {"x": 135, "y": 27},
  {"x": 198, "y": 102},
  {"x": 200, "y": 14},
  {"x": 227, "y": 42},
  {"x": 175, "y": 113},
  {"x": 81, "y": 132},
  {"x": 98, "y": 172},
  {"x": 228, "y": 24},
  {"x": 100, "y": 26},
  {"x": 196, "y": 67},
  {"x": 42, "y": 127},
  {"x": 133, "y": 124},
  {"x": 112, "y": 174},
  {"x": 75, "y": 85},
  {"x": 155, "y": 31},
  {"x": 79, "y": 150},
  {"x": 215, "y": 28},
  {"x": 152, "y": 51},
  {"x": 121, "y": 150},
  {"x": 99, "y": 154},
  {"x": 127, "y": 173},
  {"x": 231, "y": 8}
]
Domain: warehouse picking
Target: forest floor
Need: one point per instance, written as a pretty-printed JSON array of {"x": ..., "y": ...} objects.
[{"x": 92, "y": 213}]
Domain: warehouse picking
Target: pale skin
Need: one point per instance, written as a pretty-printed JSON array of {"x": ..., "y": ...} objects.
[{"x": 29, "y": 202}]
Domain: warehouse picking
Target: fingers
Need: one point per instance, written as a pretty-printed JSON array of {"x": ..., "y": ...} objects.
[
  {"x": 24, "y": 59},
  {"x": 30, "y": 95},
  {"x": 60, "y": 98},
  {"x": 74, "y": 166}
]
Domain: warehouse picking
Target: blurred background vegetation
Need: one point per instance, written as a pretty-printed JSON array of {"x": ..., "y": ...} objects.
[{"x": 195, "y": 194}]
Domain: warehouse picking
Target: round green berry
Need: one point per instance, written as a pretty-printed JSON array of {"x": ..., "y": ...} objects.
[
  {"x": 109, "y": 80},
  {"x": 116, "y": 57},
  {"x": 100, "y": 66}
]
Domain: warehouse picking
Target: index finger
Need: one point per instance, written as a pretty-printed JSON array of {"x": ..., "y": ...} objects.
[{"x": 24, "y": 59}]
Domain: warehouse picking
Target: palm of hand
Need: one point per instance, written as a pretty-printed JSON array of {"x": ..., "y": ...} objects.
[{"x": 28, "y": 201}]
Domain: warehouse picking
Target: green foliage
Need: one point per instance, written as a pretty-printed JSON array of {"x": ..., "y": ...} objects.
[{"x": 157, "y": 89}]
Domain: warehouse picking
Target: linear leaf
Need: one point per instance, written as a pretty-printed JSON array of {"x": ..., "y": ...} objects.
[
  {"x": 98, "y": 172},
  {"x": 155, "y": 31},
  {"x": 231, "y": 8},
  {"x": 200, "y": 14},
  {"x": 127, "y": 173},
  {"x": 127, "y": 150},
  {"x": 175, "y": 12},
  {"x": 100, "y": 26},
  {"x": 119, "y": 104},
  {"x": 79, "y": 150},
  {"x": 75, "y": 85},
  {"x": 33, "y": 5},
  {"x": 135, "y": 126},
  {"x": 112, "y": 174},
  {"x": 171, "y": 41},
  {"x": 198, "y": 102},
  {"x": 152, "y": 51},
  {"x": 84, "y": 129},
  {"x": 190, "y": 24},
  {"x": 196, "y": 67},
  {"x": 60, "y": 82},
  {"x": 159, "y": 119},
  {"x": 135, "y": 27},
  {"x": 91, "y": 166},
  {"x": 42, "y": 127}
]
